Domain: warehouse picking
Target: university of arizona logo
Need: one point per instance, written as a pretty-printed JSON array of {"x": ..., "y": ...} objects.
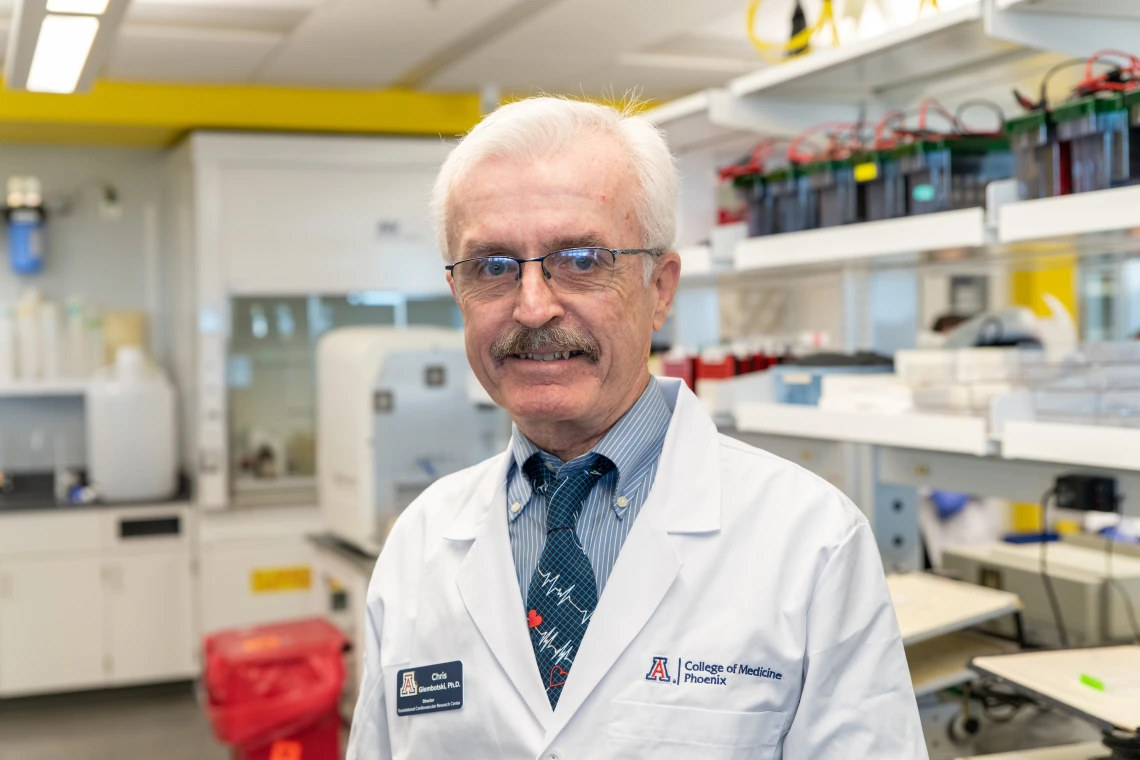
[
  {"x": 409, "y": 687},
  {"x": 659, "y": 671}
]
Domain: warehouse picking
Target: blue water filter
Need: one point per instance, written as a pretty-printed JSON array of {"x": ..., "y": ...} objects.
[{"x": 26, "y": 240}]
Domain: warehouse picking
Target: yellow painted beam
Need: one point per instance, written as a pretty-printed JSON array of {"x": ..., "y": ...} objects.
[{"x": 160, "y": 113}]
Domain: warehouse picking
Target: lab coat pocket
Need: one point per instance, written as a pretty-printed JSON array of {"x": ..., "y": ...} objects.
[{"x": 666, "y": 732}]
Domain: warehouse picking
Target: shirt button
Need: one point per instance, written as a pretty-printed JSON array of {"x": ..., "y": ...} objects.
[
  {"x": 516, "y": 507},
  {"x": 550, "y": 466},
  {"x": 622, "y": 501},
  {"x": 553, "y": 755}
]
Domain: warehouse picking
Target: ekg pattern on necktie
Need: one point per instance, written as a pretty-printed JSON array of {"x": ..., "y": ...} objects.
[{"x": 563, "y": 594}]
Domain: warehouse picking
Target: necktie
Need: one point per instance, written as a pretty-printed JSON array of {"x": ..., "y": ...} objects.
[{"x": 563, "y": 593}]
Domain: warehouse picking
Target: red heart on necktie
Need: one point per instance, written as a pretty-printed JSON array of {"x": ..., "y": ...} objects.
[
  {"x": 533, "y": 619},
  {"x": 558, "y": 672}
]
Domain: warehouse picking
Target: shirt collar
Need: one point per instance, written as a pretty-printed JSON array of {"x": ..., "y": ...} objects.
[{"x": 630, "y": 444}]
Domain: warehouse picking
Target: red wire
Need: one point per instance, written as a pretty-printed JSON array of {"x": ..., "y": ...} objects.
[
  {"x": 837, "y": 127},
  {"x": 925, "y": 108},
  {"x": 880, "y": 142}
]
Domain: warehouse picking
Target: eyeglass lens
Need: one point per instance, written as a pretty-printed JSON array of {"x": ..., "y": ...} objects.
[{"x": 577, "y": 270}]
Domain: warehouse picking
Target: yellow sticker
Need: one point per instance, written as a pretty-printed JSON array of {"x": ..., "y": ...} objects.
[
  {"x": 866, "y": 172},
  {"x": 271, "y": 580}
]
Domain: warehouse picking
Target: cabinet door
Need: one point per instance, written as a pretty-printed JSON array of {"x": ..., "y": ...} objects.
[
  {"x": 51, "y": 625},
  {"x": 149, "y": 625}
]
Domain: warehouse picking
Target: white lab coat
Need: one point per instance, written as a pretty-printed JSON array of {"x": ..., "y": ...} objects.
[{"x": 737, "y": 558}]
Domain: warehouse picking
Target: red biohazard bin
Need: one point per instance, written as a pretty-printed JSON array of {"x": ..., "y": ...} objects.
[{"x": 272, "y": 691}]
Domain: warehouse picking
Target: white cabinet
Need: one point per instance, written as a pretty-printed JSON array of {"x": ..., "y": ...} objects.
[
  {"x": 51, "y": 624},
  {"x": 149, "y": 626},
  {"x": 108, "y": 602}
]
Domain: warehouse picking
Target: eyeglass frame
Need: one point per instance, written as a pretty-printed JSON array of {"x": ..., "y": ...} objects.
[{"x": 541, "y": 260}]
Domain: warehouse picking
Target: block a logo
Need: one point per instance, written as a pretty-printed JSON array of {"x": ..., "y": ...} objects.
[
  {"x": 659, "y": 671},
  {"x": 409, "y": 687}
]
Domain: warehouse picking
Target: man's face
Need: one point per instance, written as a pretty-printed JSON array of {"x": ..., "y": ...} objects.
[{"x": 581, "y": 196}]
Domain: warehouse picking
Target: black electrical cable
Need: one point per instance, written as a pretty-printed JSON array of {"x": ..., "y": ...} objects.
[
  {"x": 1049, "y": 590},
  {"x": 965, "y": 105},
  {"x": 1115, "y": 583}
]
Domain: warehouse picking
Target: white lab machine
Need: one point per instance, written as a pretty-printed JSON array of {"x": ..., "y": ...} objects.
[
  {"x": 1091, "y": 603},
  {"x": 394, "y": 414},
  {"x": 397, "y": 409}
]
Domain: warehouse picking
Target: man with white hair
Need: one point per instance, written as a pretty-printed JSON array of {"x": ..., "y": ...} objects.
[{"x": 622, "y": 582}]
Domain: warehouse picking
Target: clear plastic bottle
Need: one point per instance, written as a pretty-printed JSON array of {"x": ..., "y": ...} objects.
[
  {"x": 76, "y": 364},
  {"x": 96, "y": 343},
  {"x": 50, "y": 355},
  {"x": 7, "y": 345},
  {"x": 28, "y": 336}
]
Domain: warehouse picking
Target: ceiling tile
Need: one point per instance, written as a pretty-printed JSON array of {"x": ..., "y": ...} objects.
[
  {"x": 371, "y": 43},
  {"x": 162, "y": 54},
  {"x": 575, "y": 39},
  {"x": 253, "y": 15}
]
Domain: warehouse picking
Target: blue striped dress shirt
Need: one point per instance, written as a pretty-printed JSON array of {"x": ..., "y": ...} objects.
[{"x": 633, "y": 444}]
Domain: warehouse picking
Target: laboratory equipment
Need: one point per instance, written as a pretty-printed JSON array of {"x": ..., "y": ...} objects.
[
  {"x": 952, "y": 173},
  {"x": 26, "y": 222},
  {"x": 131, "y": 440},
  {"x": 800, "y": 381},
  {"x": 1042, "y": 165},
  {"x": 831, "y": 192},
  {"x": 880, "y": 189},
  {"x": 1092, "y": 604},
  {"x": 790, "y": 201},
  {"x": 1096, "y": 129},
  {"x": 394, "y": 415}
]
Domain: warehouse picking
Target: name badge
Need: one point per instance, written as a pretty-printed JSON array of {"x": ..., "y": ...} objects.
[{"x": 430, "y": 688}]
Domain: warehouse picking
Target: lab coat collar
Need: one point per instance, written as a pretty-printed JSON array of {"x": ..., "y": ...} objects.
[{"x": 489, "y": 587}]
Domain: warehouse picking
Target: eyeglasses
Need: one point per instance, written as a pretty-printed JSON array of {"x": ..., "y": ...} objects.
[{"x": 574, "y": 270}]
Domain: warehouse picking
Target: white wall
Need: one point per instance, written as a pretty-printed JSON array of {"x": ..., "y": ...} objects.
[{"x": 110, "y": 263}]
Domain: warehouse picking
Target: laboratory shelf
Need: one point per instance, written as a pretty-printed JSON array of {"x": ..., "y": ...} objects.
[
  {"x": 701, "y": 119},
  {"x": 935, "y": 46},
  {"x": 43, "y": 388},
  {"x": 1115, "y": 210},
  {"x": 1114, "y": 448},
  {"x": 938, "y": 664},
  {"x": 928, "y": 432},
  {"x": 1108, "y": 8},
  {"x": 929, "y": 606},
  {"x": 965, "y": 228},
  {"x": 696, "y": 261}
]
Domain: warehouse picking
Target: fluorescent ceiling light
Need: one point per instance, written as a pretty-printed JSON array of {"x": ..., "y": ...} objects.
[
  {"x": 89, "y": 7},
  {"x": 61, "y": 51}
]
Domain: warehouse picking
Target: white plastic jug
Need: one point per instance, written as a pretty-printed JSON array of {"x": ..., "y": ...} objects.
[{"x": 131, "y": 440}]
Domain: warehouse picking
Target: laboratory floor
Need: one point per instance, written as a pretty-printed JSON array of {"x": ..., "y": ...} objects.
[
  {"x": 125, "y": 724},
  {"x": 166, "y": 722}
]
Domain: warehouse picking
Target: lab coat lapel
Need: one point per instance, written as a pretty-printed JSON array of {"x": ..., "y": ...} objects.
[
  {"x": 490, "y": 589},
  {"x": 685, "y": 498}
]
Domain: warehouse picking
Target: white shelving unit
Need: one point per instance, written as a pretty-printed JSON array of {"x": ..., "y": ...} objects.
[
  {"x": 1070, "y": 215},
  {"x": 1106, "y": 8},
  {"x": 46, "y": 388},
  {"x": 1100, "y": 446},
  {"x": 915, "y": 234},
  {"x": 929, "y": 432},
  {"x": 941, "y": 43},
  {"x": 1075, "y": 27}
]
